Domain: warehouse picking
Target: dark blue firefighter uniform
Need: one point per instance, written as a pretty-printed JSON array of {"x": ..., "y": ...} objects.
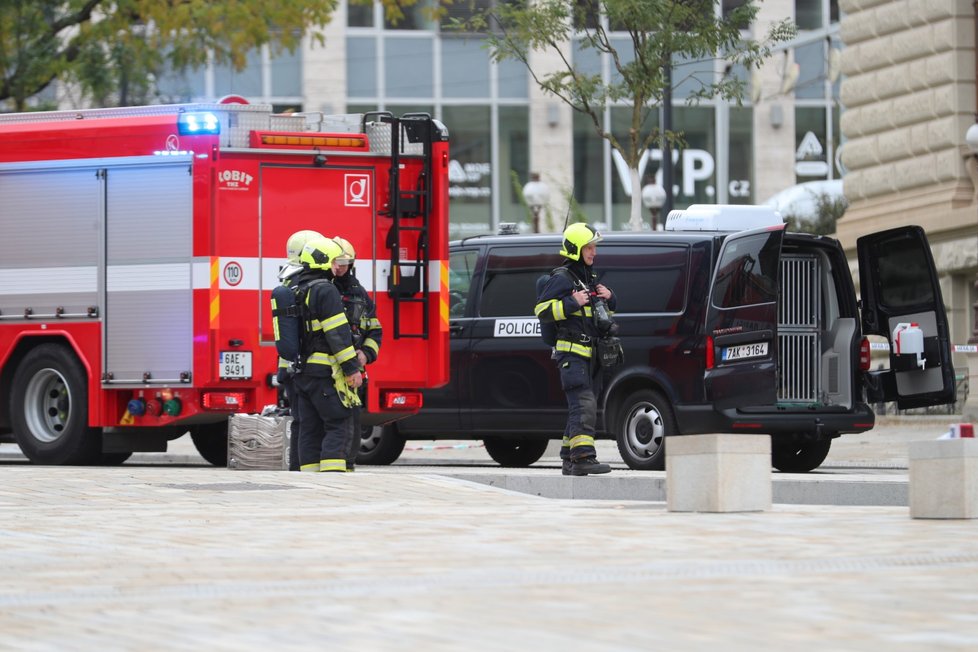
[
  {"x": 324, "y": 401},
  {"x": 580, "y": 376}
]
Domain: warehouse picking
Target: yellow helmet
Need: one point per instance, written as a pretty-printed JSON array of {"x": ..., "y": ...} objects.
[
  {"x": 319, "y": 253},
  {"x": 576, "y": 237},
  {"x": 349, "y": 254},
  {"x": 298, "y": 240}
]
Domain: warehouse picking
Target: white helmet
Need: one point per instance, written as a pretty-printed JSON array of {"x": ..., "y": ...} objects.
[
  {"x": 297, "y": 241},
  {"x": 349, "y": 253}
]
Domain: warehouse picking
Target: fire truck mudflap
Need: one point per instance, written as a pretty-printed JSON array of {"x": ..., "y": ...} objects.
[{"x": 139, "y": 247}]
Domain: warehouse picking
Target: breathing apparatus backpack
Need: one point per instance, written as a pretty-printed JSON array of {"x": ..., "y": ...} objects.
[
  {"x": 548, "y": 329},
  {"x": 287, "y": 323}
]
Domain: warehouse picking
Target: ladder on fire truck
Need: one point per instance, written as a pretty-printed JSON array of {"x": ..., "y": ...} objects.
[{"x": 410, "y": 212}]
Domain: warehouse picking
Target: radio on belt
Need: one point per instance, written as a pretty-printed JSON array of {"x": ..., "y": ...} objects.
[{"x": 908, "y": 339}]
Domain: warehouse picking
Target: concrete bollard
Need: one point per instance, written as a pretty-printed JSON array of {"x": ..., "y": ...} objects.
[
  {"x": 718, "y": 473},
  {"x": 944, "y": 478}
]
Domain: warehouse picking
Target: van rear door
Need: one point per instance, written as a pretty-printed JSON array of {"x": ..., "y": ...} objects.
[
  {"x": 899, "y": 285},
  {"x": 742, "y": 320}
]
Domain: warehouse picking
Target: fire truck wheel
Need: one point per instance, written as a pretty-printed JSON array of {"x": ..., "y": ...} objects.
[
  {"x": 799, "y": 457},
  {"x": 211, "y": 441},
  {"x": 381, "y": 445},
  {"x": 49, "y": 408},
  {"x": 643, "y": 422},
  {"x": 515, "y": 452}
]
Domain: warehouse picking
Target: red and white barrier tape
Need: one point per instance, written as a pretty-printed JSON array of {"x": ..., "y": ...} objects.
[
  {"x": 956, "y": 348},
  {"x": 429, "y": 447}
]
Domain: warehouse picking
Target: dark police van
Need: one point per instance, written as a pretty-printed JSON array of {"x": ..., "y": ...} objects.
[{"x": 729, "y": 324}]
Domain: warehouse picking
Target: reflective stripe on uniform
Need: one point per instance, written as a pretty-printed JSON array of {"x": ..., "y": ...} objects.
[
  {"x": 335, "y": 321},
  {"x": 571, "y": 347},
  {"x": 346, "y": 354},
  {"x": 582, "y": 440},
  {"x": 332, "y": 465},
  {"x": 370, "y": 344},
  {"x": 555, "y": 306},
  {"x": 313, "y": 468},
  {"x": 283, "y": 363},
  {"x": 317, "y": 357}
]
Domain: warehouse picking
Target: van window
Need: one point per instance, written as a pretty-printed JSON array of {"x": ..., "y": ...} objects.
[
  {"x": 650, "y": 278},
  {"x": 510, "y": 288},
  {"x": 461, "y": 266},
  {"x": 904, "y": 274},
  {"x": 748, "y": 271}
]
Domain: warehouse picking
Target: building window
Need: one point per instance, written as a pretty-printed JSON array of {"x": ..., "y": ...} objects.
[
  {"x": 740, "y": 170},
  {"x": 361, "y": 66},
  {"x": 359, "y": 15},
  {"x": 514, "y": 162},
  {"x": 464, "y": 68},
  {"x": 469, "y": 169},
  {"x": 408, "y": 67},
  {"x": 416, "y": 17}
]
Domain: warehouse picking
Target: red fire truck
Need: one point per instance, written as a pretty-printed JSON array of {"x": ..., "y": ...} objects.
[{"x": 139, "y": 247}]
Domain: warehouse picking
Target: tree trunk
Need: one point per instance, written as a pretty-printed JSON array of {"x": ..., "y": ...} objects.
[{"x": 635, "y": 222}]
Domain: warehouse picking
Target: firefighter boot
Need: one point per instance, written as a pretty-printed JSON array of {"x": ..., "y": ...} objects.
[
  {"x": 566, "y": 466},
  {"x": 588, "y": 466}
]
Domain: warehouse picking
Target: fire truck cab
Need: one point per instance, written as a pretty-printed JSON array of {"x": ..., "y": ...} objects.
[{"x": 139, "y": 247}]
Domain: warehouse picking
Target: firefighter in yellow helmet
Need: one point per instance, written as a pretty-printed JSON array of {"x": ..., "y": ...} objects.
[
  {"x": 570, "y": 299},
  {"x": 361, "y": 312},
  {"x": 329, "y": 375},
  {"x": 293, "y": 248}
]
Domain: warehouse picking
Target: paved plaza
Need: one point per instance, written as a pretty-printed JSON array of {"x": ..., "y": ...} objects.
[{"x": 190, "y": 557}]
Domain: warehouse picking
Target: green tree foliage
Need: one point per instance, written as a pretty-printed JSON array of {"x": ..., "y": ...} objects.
[
  {"x": 112, "y": 49},
  {"x": 657, "y": 33}
]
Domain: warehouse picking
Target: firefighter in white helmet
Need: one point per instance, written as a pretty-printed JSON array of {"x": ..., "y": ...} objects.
[
  {"x": 361, "y": 312},
  {"x": 293, "y": 249},
  {"x": 329, "y": 374},
  {"x": 572, "y": 299}
]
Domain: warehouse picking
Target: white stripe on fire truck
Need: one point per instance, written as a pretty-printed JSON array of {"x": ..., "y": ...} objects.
[
  {"x": 372, "y": 274},
  {"x": 48, "y": 280},
  {"x": 176, "y": 276}
]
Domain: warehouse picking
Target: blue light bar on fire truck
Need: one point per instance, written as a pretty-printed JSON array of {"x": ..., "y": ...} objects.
[{"x": 195, "y": 124}]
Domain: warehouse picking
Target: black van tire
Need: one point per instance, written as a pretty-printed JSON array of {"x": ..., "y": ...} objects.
[
  {"x": 49, "y": 408},
  {"x": 799, "y": 457},
  {"x": 380, "y": 445},
  {"x": 515, "y": 452},
  {"x": 211, "y": 441},
  {"x": 643, "y": 423}
]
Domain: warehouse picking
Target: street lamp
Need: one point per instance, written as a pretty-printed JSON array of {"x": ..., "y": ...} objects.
[
  {"x": 971, "y": 164},
  {"x": 537, "y": 194},
  {"x": 653, "y": 197}
]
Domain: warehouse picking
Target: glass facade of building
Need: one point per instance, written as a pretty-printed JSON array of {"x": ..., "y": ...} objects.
[{"x": 419, "y": 65}]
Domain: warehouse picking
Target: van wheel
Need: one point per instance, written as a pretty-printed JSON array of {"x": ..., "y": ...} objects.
[
  {"x": 49, "y": 408},
  {"x": 211, "y": 441},
  {"x": 795, "y": 457},
  {"x": 515, "y": 452},
  {"x": 380, "y": 445},
  {"x": 644, "y": 421}
]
